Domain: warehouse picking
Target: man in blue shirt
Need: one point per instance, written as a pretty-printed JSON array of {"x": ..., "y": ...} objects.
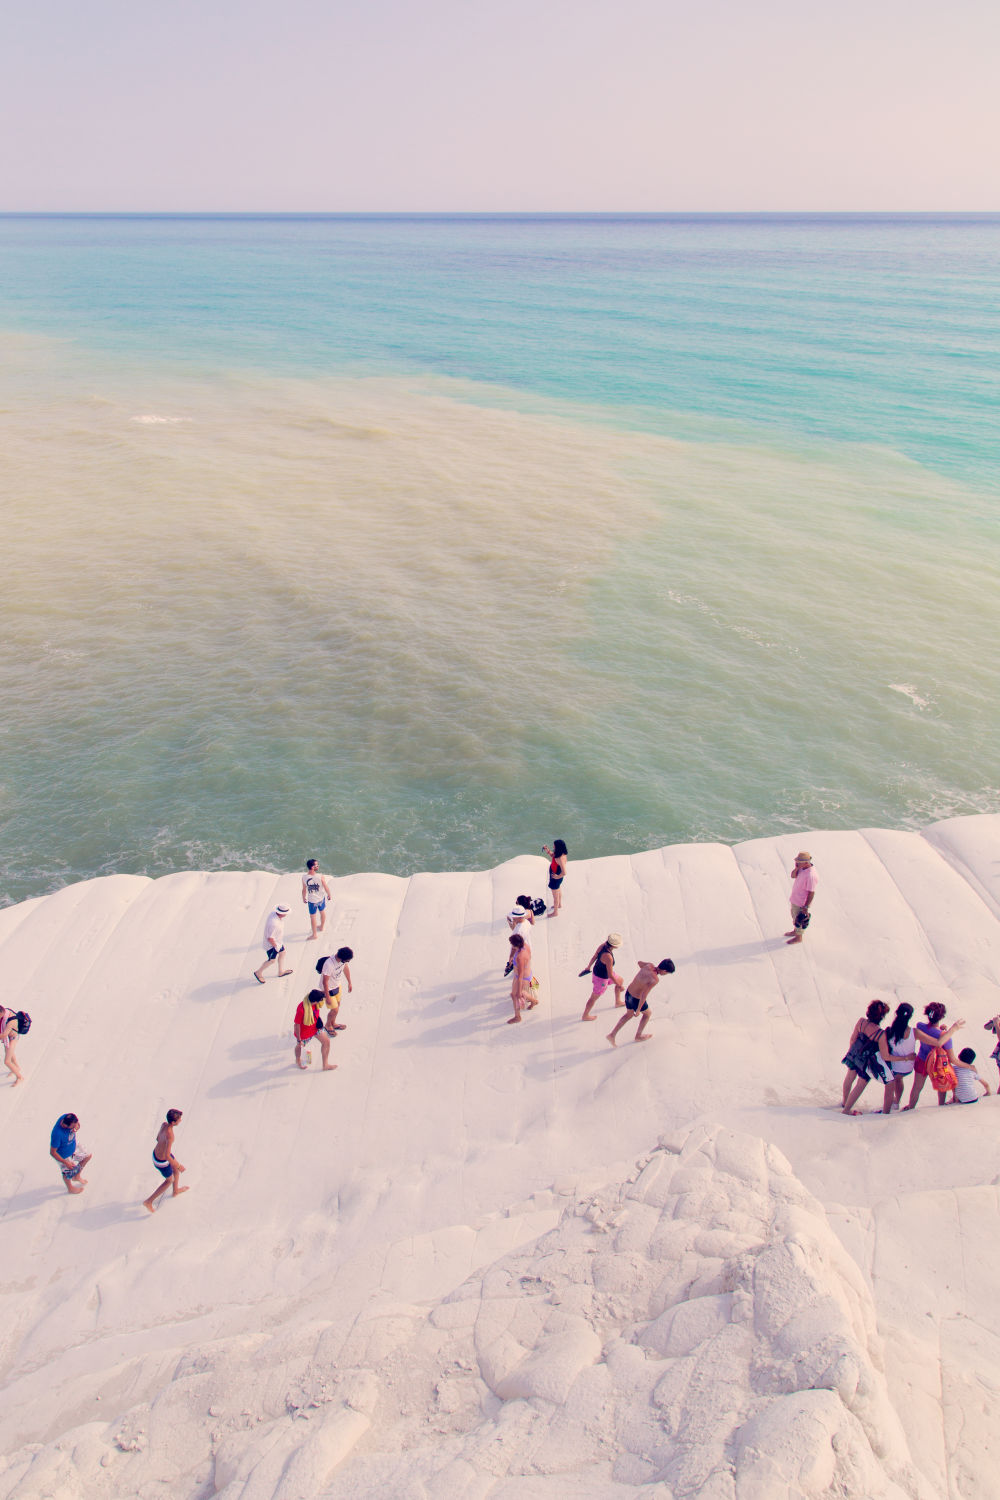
[{"x": 62, "y": 1148}]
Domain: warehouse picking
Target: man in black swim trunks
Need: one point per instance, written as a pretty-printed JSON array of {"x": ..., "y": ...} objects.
[
  {"x": 165, "y": 1161},
  {"x": 636, "y": 1003}
]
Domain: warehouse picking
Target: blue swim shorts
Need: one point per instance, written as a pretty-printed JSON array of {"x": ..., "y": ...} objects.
[
  {"x": 316, "y": 906},
  {"x": 164, "y": 1171}
]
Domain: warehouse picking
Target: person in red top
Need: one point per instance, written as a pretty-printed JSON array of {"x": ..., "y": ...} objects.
[
  {"x": 309, "y": 1023},
  {"x": 558, "y": 860}
]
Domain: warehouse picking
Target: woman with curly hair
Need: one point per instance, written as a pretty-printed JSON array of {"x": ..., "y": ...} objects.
[{"x": 867, "y": 1056}]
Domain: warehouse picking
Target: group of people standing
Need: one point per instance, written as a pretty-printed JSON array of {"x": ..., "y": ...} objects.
[{"x": 893, "y": 1054}]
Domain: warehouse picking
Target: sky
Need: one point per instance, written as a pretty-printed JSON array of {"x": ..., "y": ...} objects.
[{"x": 508, "y": 106}]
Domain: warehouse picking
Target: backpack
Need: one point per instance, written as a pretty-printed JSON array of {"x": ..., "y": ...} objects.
[
  {"x": 23, "y": 1023},
  {"x": 869, "y": 1054},
  {"x": 320, "y": 962},
  {"x": 940, "y": 1071}
]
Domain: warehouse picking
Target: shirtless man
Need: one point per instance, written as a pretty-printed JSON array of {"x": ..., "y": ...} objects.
[
  {"x": 521, "y": 989},
  {"x": 165, "y": 1161},
  {"x": 315, "y": 893},
  {"x": 62, "y": 1148},
  {"x": 338, "y": 963},
  {"x": 635, "y": 997}
]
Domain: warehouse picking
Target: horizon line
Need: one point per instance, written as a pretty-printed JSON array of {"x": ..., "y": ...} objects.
[{"x": 492, "y": 214}]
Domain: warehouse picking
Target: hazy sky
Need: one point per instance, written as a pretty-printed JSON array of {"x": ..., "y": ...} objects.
[{"x": 510, "y": 105}]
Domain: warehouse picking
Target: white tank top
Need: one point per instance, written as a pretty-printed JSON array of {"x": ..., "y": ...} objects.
[{"x": 905, "y": 1049}]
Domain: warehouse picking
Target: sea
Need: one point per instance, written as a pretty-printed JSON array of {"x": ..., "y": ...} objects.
[{"x": 415, "y": 542}]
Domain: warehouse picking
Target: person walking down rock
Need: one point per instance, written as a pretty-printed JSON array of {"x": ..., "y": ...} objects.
[
  {"x": 329, "y": 971},
  {"x": 274, "y": 944},
  {"x": 522, "y": 989},
  {"x": 13, "y": 1023},
  {"x": 308, "y": 1024},
  {"x": 63, "y": 1148},
  {"x": 603, "y": 967},
  {"x": 315, "y": 893},
  {"x": 165, "y": 1161},
  {"x": 636, "y": 1002}
]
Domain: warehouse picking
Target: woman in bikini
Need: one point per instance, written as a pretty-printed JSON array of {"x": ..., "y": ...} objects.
[
  {"x": 603, "y": 966},
  {"x": 9, "y": 1032},
  {"x": 557, "y": 872}
]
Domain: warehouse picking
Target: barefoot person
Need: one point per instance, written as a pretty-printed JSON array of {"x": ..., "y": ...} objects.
[
  {"x": 902, "y": 1052},
  {"x": 165, "y": 1161},
  {"x": 309, "y": 1024},
  {"x": 522, "y": 985},
  {"x": 274, "y": 943},
  {"x": 994, "y": 1025},
  {"x": 803, "y": 891},
  {"x": 930, "y": 1035},
  {"x": 636, "y": 1002},
  {"x": 558, "y": 860},
  {"x": 519, "y": 919},
  {"x": 337, "y": 964},
  {"x": 603, "y": 966},
  {"x": 13, "y": 1023},
  {"x": 315, "y": 893},
  {"x": 64, "y": 1150},
  {"x": 867, "y": 1057}
]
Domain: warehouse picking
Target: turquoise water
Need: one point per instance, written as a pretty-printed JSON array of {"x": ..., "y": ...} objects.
[{"x": 411, "y": 543}]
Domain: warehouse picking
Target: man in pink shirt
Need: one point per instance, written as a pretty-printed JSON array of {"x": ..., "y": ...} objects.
[{"x": 803, "y": 891}]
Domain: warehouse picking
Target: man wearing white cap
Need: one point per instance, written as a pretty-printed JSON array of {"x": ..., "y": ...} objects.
[
  {"x": 274, "y": 943},
  {"x": 803, "y": 891}
]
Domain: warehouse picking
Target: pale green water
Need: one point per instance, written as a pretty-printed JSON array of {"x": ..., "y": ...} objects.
[{"x": 565, "y": 562}]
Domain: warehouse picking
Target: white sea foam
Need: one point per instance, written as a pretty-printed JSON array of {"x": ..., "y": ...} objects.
[{"x": 909, "y": 691}]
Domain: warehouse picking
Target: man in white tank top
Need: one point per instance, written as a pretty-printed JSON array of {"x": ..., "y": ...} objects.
[{"x": 315, "y": 893}]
